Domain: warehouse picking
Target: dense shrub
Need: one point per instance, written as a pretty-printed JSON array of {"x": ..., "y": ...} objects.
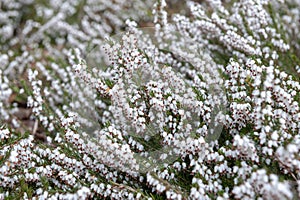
[{"x": 149, "y": 99}]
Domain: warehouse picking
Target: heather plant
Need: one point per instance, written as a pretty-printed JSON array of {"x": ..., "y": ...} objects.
[{"x": 149, "y": 99}]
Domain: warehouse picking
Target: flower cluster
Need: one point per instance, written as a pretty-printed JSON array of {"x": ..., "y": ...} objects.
[{"x": 204, "y": 104}]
